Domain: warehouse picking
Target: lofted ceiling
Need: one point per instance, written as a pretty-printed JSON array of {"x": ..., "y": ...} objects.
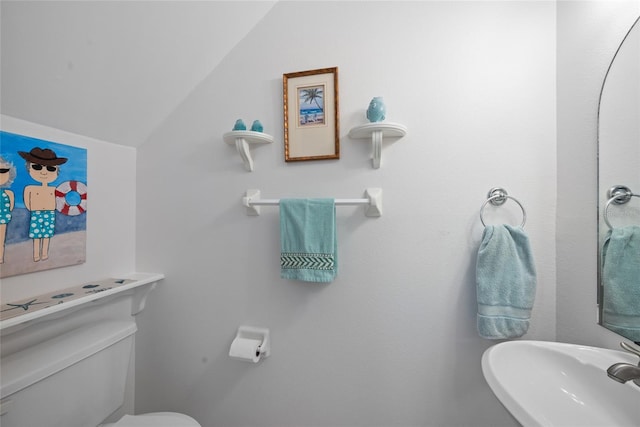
[{"x": 113, "y": 70}]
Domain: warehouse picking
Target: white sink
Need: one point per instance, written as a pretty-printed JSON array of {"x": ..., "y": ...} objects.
[{"x": 556, "y": 384}]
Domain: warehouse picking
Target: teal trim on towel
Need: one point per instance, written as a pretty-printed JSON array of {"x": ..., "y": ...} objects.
[
  {"x": 297, "y": 261},
  {"x": 504, "y": 311},
  {"x": 505, "y": 282},
  {"x": 308, "y": 244},
  {"x": 621, "y": 281}
]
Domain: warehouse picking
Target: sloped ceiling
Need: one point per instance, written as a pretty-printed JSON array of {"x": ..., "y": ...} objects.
[{"x": 113, "y": 70}]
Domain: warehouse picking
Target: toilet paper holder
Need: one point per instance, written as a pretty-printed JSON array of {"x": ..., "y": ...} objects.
[{"x": 253, "y": 333}]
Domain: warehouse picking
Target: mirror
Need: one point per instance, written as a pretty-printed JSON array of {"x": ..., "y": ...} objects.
[{"x": 619, "y": 191}]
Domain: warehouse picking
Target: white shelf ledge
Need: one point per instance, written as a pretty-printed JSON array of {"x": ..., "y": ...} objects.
[
  {"x": 376, "y": 132},
  {"x": 133, "y": 282},
  {"x": 242, "y": 139}
]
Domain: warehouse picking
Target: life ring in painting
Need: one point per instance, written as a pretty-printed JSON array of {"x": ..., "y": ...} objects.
[{"x": 71, "y": 198}]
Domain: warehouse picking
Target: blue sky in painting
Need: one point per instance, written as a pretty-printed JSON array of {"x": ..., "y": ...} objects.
[{"x": 75, "y": 169}]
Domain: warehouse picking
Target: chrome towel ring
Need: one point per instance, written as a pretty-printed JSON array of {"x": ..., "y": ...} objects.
[
  {"x": 618, "y": 194},
  {"x": 497, "y": 197}
]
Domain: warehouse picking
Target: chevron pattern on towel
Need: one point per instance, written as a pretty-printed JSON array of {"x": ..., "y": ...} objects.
[{"x": 294, "y": 260}]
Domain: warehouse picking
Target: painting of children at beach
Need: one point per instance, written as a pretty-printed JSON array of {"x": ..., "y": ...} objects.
[
  {"x": 311, "y": 105},
  {"x": 44, "y": 204}
]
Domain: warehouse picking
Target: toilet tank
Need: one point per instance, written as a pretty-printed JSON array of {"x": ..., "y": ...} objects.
[{"x": 76, "y": 379}]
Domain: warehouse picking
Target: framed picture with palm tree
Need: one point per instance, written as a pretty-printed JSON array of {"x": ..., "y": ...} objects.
[{"x": 311, "y": 126}]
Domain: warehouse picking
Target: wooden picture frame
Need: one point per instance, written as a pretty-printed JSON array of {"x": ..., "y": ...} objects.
[{"x": 311, "y": 125}]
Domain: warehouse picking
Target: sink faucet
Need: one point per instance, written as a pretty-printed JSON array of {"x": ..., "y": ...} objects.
[{"x": 623, "y": 372}]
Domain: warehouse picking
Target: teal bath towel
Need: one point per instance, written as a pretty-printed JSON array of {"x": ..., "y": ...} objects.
[
  {"x": 308, "y": 240},
  {"x": 621, "y": 281},
  {"x": 505, "y": 282}
]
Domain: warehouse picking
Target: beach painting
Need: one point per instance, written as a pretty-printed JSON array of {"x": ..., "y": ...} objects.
[
  {"x": 311, "y": 105},
  {"x": 43, "y": 204}
]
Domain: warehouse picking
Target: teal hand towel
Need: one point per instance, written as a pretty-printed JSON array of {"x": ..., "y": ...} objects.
[
  {"x": 308, "y": 240},
  {"x": 505, "y": 282},
  {"x": 621, "y": 281}
]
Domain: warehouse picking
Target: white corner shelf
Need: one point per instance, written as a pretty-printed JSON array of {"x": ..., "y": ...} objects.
[
  {"x": 134, "y": 282},
  {"x": 242, "y": 139},
  {"x": 376, "y": 132}
]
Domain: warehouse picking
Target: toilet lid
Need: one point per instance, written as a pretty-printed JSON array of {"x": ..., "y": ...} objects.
[{"x": 157, "y": 419}]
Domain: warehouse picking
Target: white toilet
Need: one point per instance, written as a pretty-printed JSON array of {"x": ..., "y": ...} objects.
[{"x": 76, "y": 379}]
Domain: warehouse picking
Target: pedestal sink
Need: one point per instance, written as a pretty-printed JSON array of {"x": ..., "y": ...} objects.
[{"x": 558, "y": 384}]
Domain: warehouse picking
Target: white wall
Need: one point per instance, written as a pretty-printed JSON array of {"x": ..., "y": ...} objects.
[
  {"x": 588, "y": 36},
  {"x": 111, "y": 202},
  {"x": 392, "y": 341},
  {"x": 112, "y": 69}
]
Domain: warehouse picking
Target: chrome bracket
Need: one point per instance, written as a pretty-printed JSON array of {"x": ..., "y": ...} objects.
[
  {"x": 497, "y": 196},
  {"x": 620, "y": 194}
]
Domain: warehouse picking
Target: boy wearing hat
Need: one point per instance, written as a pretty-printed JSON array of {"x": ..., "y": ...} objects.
[{"x": 43, "y": 166}]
